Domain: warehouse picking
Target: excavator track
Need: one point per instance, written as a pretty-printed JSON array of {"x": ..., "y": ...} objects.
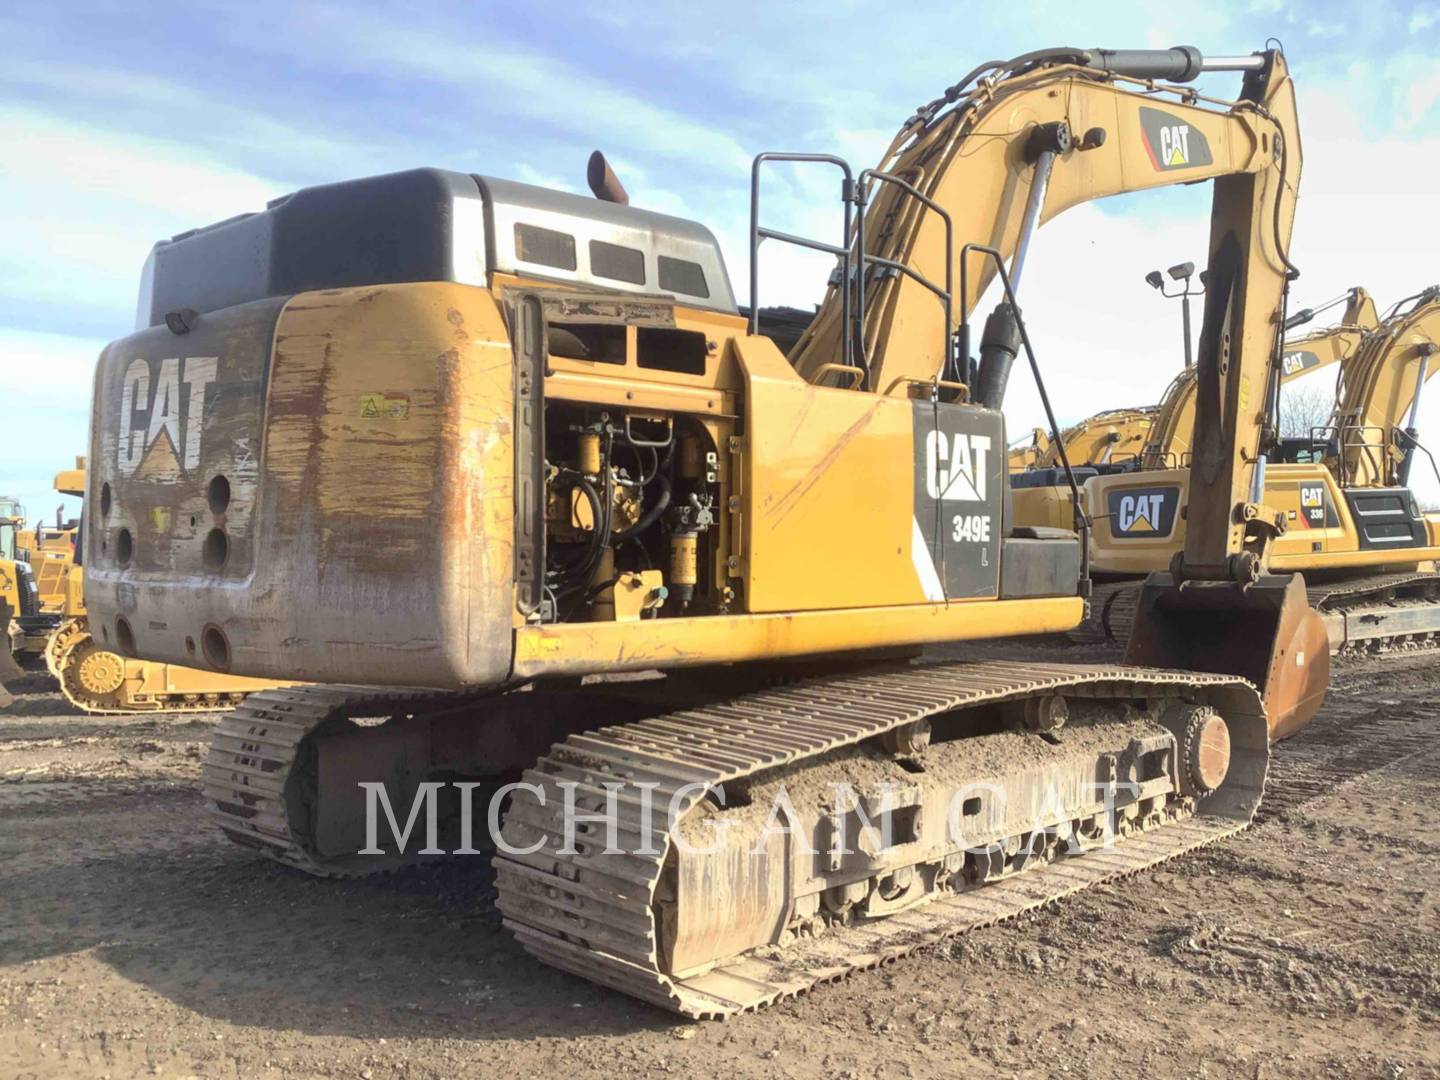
[
  {"x": 1110, "y": 615},
  {"x": 1363, "y": 615},
  {"x": 598, "y": 915},
  {"x": 254, "y": 778},
  {"x": 1380, "y": 613}
]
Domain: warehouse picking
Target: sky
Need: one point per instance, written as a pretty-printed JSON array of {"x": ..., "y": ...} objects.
[{"x": 119, "y": 130}]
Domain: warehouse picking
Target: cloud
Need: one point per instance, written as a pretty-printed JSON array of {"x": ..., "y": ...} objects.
[
  {"x": 526, "y": 83},
  {"x": 80, "y": 207},
  {"x": 47, "y": 413}
]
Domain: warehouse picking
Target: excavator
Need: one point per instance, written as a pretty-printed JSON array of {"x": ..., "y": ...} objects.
[
  {"x": 1357, "y": 532},
  {"x": 1113, "y": 435},
  {"x": 1041, "y": 495},
  {"x": 98, "y": 680},
  {"x": 496, "y": 467}
]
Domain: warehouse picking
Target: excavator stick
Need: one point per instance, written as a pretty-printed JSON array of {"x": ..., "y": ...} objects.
[{"x": 1265, "y": 631}]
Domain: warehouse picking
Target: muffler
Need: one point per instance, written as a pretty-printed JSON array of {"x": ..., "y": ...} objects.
[{"x": 1265, "y": 631}]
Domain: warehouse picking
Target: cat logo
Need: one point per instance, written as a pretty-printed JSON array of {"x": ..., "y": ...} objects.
[
  {"x": 1292, "y": 363},
  {"x": 1171, "y": 142},
  {"x": 1143, "y": 512},
  {"x": 955, "y": 466},
  {"x": 1315, "y": 510},
  {"x": 161, "y": 418}
]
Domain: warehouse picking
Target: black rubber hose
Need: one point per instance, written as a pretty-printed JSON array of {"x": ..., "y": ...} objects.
[{"x": 658, "y": 507}]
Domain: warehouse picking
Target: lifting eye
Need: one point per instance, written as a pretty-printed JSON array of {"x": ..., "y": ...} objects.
[{"x": 218, "y": 495}]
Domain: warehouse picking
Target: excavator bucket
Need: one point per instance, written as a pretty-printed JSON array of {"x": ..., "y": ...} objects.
[{"x": 1266, "y": 632}]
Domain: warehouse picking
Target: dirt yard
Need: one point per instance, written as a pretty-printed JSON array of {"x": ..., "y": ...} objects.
[{"x": 133, "y": 941}]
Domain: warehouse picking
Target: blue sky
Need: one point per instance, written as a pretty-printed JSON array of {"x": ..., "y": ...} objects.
[{"x": 126, "y": 124}]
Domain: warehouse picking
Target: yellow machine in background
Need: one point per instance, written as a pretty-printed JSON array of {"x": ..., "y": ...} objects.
[
  {"x": 1355, "y": 529},
  {"x": 1041, "y": 499},
  {"x": 463, "y": 475},
  {"x": 101, "y": 681},
  {"x": 16, "y": 593},
  {"x": 50, "y": 549},
  {"x": 1106, "y": 437},
  {"x": 25, "y": 626}
]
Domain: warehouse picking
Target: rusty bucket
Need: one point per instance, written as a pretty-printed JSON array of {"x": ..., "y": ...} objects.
[{"x": 1265, "y": 631}]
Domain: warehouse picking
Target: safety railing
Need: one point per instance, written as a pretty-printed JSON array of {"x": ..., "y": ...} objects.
[{"x": 855, "y": 264}]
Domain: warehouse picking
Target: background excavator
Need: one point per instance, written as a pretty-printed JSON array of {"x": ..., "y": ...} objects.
[
  {"x": 1042, "y": 495},
  {"x": 1110, "y": 436},
  {"x": 499, "y": 466},
  {"x": 1357, "y": 532}
]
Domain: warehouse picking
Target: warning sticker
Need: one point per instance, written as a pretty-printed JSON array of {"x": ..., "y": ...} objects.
[{"x": 386, "y": 406}]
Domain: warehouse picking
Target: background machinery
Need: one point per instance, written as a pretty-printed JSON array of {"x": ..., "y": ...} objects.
[
  {"x": 501, "y": 466},
  {"x": 98, "y": 680},
  {"x": 1042, "y": 495},
  {"x": 1112, "y": 436},
  {"x": 1355, "y": 527}
]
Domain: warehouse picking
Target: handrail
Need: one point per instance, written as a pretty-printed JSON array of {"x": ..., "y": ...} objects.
[{"x": 757, "y": 234}]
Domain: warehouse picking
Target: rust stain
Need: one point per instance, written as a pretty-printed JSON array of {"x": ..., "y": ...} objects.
[{"x": 792, "y": 498}]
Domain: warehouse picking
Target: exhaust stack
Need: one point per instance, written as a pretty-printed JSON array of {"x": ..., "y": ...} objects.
[{"x": 603, "y": 181}]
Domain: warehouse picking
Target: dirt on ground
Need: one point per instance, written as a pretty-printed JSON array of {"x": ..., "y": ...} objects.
[{"x": 135, "y": 941}]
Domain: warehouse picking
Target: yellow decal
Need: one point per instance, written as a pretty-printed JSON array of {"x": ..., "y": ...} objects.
[
  {"x": 160, "y": 518},
  {"x": 384, "y": 407}
]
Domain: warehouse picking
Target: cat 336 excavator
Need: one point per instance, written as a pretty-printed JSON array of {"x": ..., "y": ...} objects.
[
  {"x": 465, "y": 452},
  {"x": 1356, "y": 529}
]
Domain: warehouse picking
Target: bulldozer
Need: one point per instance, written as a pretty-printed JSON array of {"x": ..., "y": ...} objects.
[
  {"x": 98, "y": 680},
  {"x": 1357, "y": 532},
  {"x": 505, "y": 474},
  {"x": 50, "y": 551}
]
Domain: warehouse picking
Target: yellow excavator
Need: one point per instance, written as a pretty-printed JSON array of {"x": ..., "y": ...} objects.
[
  {"x": 500, "y": 466},
  {"x": 1110, "y": 436},
  {"x": 98, "y": 680},
  {"x": 1357, "y": 532},
  {"x": 1042, "y": 497}
]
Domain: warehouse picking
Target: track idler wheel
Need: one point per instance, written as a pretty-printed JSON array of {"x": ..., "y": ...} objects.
[
  {"x": 1202, "y": 741},
  {"x": 98, "y": 672}
]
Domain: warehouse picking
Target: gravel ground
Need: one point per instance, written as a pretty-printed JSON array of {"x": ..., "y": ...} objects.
[{"x": 133, "y": 941}]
